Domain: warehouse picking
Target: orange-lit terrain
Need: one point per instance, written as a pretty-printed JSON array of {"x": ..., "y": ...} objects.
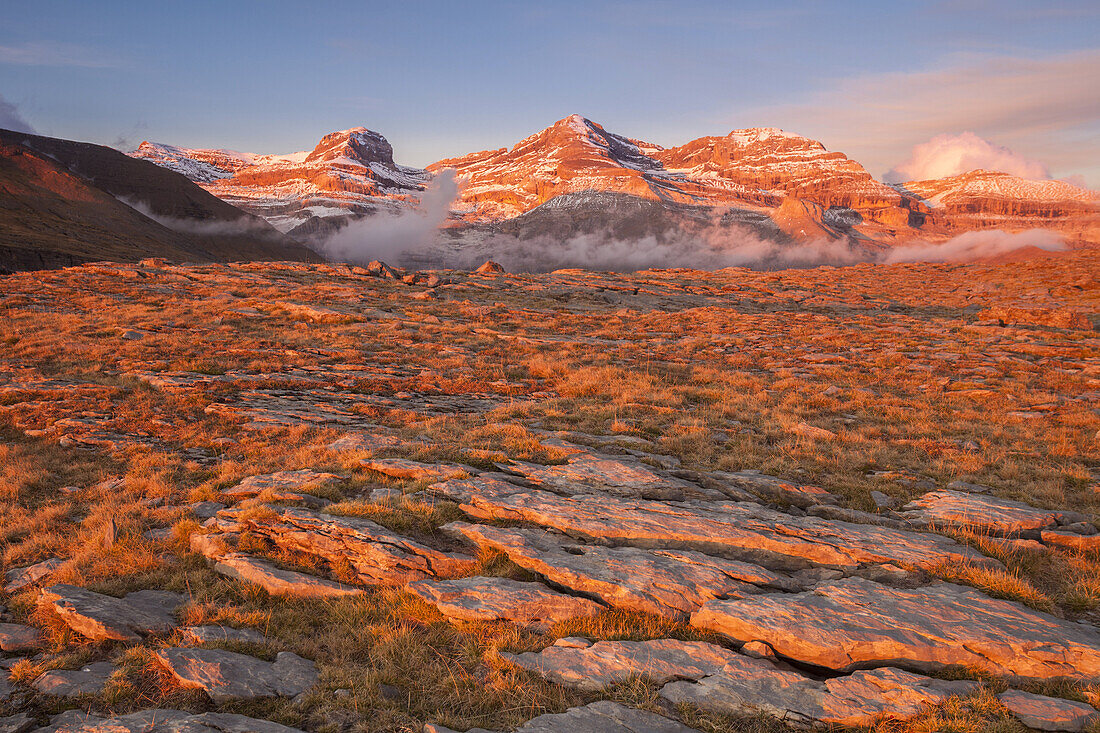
[{"x": 281, "y": 496}]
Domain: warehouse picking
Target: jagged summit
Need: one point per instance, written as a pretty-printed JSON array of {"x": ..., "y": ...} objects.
[{"x": 357, "y": 145}]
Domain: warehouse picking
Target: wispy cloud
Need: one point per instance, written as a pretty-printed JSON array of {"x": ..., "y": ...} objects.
[
  {"x": 11, "y": 119},
  {"x": 949, "y": 155},
  {"x": 1044, "y": 108},
  {"x": 52, "y": 53}
]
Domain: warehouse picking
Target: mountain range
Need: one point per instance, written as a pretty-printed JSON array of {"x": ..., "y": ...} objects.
[{"x": 781, "y": 184}]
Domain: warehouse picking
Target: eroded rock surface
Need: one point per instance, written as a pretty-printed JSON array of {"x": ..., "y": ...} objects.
[
  {"x": 670, "y": 583},
  {"x": 17, "y": 579},
  {"x": 402, "y": 468},
  {"x": 1048, "y": 713},
  {"x": 100, "y": 617},
  {"x": 19, "y": 638},
  {"x": 162, "y": 721},
  {"x": 215, "y": 634},
  {"x": 88, "y": 680},
  {"x": 981, "y": 511},
  {"x": 490, "y": 599},
  {"x": 226, "y": 675},
  {"x": 747, "y": 686},
  {"x": 378, "y": 555},
  {"x": 854, "y": 622},
  {"x": 605, "y": 663},
  {"x": 583, "y": 472},
  {"x": 732, "y": 529},
  {"x": 598, "y": 717},
  {"x": 278, "y": 581}
]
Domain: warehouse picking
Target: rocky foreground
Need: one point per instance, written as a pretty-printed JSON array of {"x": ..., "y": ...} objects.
[{"x": 290, "y": 497}]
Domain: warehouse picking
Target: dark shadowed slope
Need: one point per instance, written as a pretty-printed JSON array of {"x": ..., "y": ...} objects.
[{"x": 67, "y": 202}]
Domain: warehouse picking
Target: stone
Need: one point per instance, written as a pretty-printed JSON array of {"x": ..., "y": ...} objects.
[
  {"x": 670, "y": 583},
  {"x": 285, "y": 486},
  {"x": 17, "y": 579},
  {"x": 1048, "y": 713},
  {"x": 206, "y": 509},
  {"x": 213, "y": 545},
  {"x": 597, "y": 717},
  {"x": 402, "y": 468},
  {"x": 1070, "y": 540},
  {"x": 582, "y": 473},
  {"x": 378, "y": 555},
  {"x": 100, "y": 617},
  {"x": 279, "y": 582},
  {"x": 489, "y": 268},
  {"x": 883, "y": 501},
  {"x": 20, "y": 723},
  {"x": 758, "y": 650},
  {"x": 216, "y": 634},
  {"x": 362, "y": 442},
  {"x": 739, "y": 530},
  {"x": 89, "y": 680},
  {"x": 805, "y": 430},
  {"x": 226, "y": 675},
  {"x": 747, "y": 686},
  {"x": 855, "y": 622},
  {"x": 491, "y": 599},
  {"x": 606, "y": 663},
  {"x": 162, "y": 721},
  {"x": 843, "y": 514},
  {"x": 965, "y": 486},
  {"x": 984, "y": 513},
  {"x": 19, "y": 638}
]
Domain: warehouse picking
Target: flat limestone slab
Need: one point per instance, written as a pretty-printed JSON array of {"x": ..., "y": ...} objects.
[
  {"x": 214, "y": 634},
  {"x": 670, "y": 583},
  {"x": 89, "y": 680},
  {"x": 162, "y": 721},
  {"x": 403, "y": 468},
  {"x": 854, "y": 622},
  {"x": 379, "y": 556},
  {"x": 748, "y": 686},
  {"x": 19, "y": 638},
  {"x": 597, "y": 717},
  {"x": 582, "y": 473},
  {"x": 609, "y": 662},
  {"x": 225, "y": 675},
  {"x": 100, "y": 617},
  {"x": 17, "y": 579},
  {"x": 1048, "y": 713},
  {"x": 491, "y": 599},
  {"x": 986, "y": 513},
  {"x": 742, "y": 530},
  {"x": 279, "y": 582}
]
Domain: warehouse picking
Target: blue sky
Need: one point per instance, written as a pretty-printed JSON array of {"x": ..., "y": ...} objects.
[{"x": 871, "y": 79}]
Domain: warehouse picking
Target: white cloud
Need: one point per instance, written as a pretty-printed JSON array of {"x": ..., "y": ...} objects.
[
  {"x": 949, "y": 155},
  {"x": 1042, "y": 108}
]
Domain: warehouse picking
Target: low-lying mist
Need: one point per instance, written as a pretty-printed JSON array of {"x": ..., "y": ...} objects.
[{"x": 414, "y": 238}]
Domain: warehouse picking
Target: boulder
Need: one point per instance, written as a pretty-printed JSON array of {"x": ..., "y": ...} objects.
[
  {"x": 100, "y": 617},
  {"x": 491, "y": 599},
  {"x": 279, "y": 582},
  {"x": 378, "y": 555},
  {"x": 854, "y": 622},
  {"x": 89, "y": 680},
  {"x": 226, "y": 675},
  {"x": 17, "y": 579},
  {"x": 162, "y": 721},
  {"x": 740, "y": 530},
  {"x": 402, "y": 468},
  {"x": 19, "y": 638},
  {"x": 979, "y": 511},
  {"x": 670, "y": 583},
  {"x": 606, "y": 663},
  {"x": 1048, "y": 713},
  {"x": 747, "y": 686}
]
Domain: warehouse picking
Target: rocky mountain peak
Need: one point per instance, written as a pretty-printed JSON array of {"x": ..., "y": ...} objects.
[{"x": 357, "y": 145}]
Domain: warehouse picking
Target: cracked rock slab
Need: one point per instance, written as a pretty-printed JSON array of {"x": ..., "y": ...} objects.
[
  {"x": 491, "y": 599},
  {"x": 402, "y": 468},
  {"x": 606, "y": 663},
  {"x": 582, "y": 473},
  {"x": 89, "y": 680},
  {"x": 597, "y": 717},
  {"x": 19, "y": 638},
  {"x": 21, "y": 723},
  {"x": 279, "y": 582},
  {"x": 225, "y": 675},
  {"x": 17, "y": 579},
  {"x": 101, "y": 617},
  {"x": 747, "y": 686},
  {"x": 1048, "y": 713},
  {"x": 981, "y": 511},
  {"x": 854, "y": 622},
  {"x": 741, "y": 530},
  {"x": 379, "y": 556},
  {"x": 162, "y": 721},
  {"x": 217, "y": 634},
  {"x": 669, "y": 583}
]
